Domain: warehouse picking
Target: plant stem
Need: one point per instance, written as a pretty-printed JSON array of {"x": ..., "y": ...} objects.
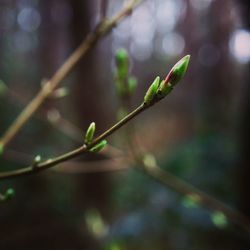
[
  {"x": 103, "y": 28},
  {"x": 205, "y": 200},
  {"x": 72, "y": 154}
]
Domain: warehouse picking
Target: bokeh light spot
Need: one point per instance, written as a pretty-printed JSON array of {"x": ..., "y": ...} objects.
[
  {"x": 173, "y": 44},
  {"x": 239, "y": 45},
  {"x": 29, "y": 19}
]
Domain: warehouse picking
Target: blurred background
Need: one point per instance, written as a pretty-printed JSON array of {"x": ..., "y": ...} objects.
[{"x": 199, "y": 133}]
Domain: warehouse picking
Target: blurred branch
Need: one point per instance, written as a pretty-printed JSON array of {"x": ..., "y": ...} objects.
[
  {"x": 103, "y": 28},
  {"x": 151, "y": 169},
  {"x": 154, "y": 94}
]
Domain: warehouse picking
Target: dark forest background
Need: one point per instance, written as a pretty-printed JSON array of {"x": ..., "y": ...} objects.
[{"x": 199, "y": 133}]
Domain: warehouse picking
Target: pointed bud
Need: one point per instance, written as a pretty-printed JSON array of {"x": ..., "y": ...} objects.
[
  {"x": 152, "y": 90},
  {"x": 174, "y": 76},
  {"x": 122, "y": 63},
  {"x": 121, "y": 58},
  {"x": 90, "y": 133},
  {"x": 99, "y": 146},
  {"x": 9, "y": 194},
  {"x": 178, "y": 71}
]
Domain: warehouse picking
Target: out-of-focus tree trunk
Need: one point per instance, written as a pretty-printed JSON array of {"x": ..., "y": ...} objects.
[{"x": 92, "y": 188}]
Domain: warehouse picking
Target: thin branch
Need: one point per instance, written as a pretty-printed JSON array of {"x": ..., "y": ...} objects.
[
  {"x": 103, "y": 28},
  {"x": 184, "y": 188},
  {"x": 169, "y": 180},
  {"x": 72, "y": 154}
]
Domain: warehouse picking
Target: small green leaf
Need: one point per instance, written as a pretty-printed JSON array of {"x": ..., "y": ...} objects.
[
  {"x": 90, "y": 133},
  {"x": 152, "y": 90},
  {"x": 219, "y": 219},
  {"x": 99, "y": 146}
]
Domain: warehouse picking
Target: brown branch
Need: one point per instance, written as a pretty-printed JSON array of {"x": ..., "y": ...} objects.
[
  {"x": 103, "y": 28},
  {"x": 203, "y": 199},
  {"x": 74, "y": 153}
]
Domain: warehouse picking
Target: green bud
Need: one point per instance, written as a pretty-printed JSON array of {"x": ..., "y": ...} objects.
[
  {"x": 90, "y": 133},
  {"x": 121, "y": 58},
  {"x": 178, "y": 71},
  {"x": 165, "y": 88},
  {"x": 152, "y": 90},
  {"x": 122, "y": 63},
  {"x": 9, "y": 194},
  {"x": 174, "y": 76},
  {"x": 99, "y": 146},
  {"x": 219, "y": 219},
  {"x": 132, "y": 83}
]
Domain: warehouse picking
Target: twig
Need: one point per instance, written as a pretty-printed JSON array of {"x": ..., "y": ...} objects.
[
  {"x": 102, "y": 29},
  {"x": 72, "y": 154},
  {"x": 184, "y": 188},
  {"x": 169, "y": 180}
]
